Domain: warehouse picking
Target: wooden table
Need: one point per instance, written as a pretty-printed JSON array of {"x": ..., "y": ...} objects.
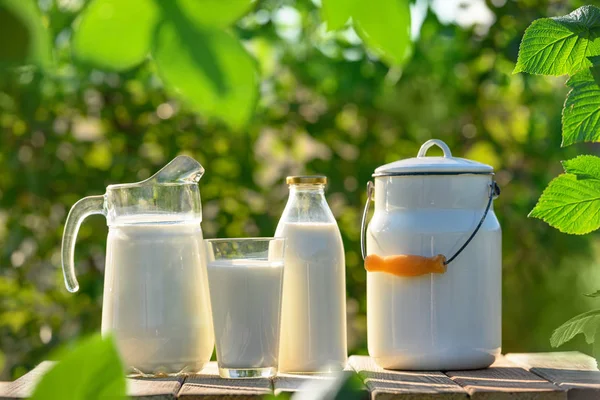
[{"x": 534, "y": 376}]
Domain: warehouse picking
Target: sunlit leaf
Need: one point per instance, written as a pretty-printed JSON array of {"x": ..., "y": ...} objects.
[
  {"x": 217, "y": 13},
  {"x": 336, "y": 12},
  {"x": 561, "y": 45},
  {"x": 91, "y": 371},
  {"x": 384, "y": 25},
  {"x": 595, "y": 294},
  {"x": 209, "y": 69},
  {"x": 585, "y": 323},
  {"x": 23, "y": 37},
  {"x": 585, "y": 167},
  {"x": 569, "y": 204},
  {"x": 116, "y": 34},
  {"x": 581, "y": 114}
]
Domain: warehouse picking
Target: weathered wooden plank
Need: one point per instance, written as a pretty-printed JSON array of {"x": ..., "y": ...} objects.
[
  {"x": 505, "y": 380},
  {"x": 208, "y": 385},
  {"x": 5, "y": 388},
  {"x": 23, "y": 387},
  {"x": 573, "y": 371},
  {"x": 405, "y": 385},
  {"x": 154, "y": 388}
]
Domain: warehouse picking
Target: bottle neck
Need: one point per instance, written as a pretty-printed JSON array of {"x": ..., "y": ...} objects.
[
  {"x": 307, "y": 203},
  {"x": 308, "y": 190}
]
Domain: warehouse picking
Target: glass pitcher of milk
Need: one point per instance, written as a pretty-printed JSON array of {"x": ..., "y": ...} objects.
[
  {"x": 313, "y": 312},
  {"x": 156, "y": 300}
]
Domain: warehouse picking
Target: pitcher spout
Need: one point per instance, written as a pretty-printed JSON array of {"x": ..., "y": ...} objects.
[{"x": 182, "y": 169}]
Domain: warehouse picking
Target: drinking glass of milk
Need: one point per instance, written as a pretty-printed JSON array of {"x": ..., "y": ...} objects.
[
  {"x": 245, "y": 280},
  {"x": 156, "y": 301}
]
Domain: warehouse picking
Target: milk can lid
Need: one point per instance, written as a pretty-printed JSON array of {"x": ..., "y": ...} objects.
[{"x": 423, "y": 165}]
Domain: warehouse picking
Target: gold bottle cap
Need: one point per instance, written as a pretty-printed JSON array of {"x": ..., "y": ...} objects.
[{"x": 306, "y": 180}]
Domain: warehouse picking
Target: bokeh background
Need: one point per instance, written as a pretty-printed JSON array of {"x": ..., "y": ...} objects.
[{"x": 326, "y": 106}]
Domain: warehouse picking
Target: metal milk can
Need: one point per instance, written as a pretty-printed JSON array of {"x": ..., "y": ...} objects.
[{"x": 436, "y": 213}]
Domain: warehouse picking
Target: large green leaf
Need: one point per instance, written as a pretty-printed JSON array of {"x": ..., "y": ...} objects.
[
  {"x": 217, "y": 13},
  {"x": 581, "y": 114},
  {"x": 585, "y": 323},
  {"x": 209, "y": 69},
  {"x": 23, "y": 37},
  {"x": 91, "y": 371},
  {"x": 383, "y": 25},
  {"x": 561, "y": 45},
  {"x": 337, "y": 12},
  {"x": 570, "y": 204},
  {"x": 116, "y": 34}
]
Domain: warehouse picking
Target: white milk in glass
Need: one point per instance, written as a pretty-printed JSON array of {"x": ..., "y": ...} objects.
[
  {"x": 313, "y": 328},
  {"x": 156, "y": 300},
  {"x": 246, "y": 301}
]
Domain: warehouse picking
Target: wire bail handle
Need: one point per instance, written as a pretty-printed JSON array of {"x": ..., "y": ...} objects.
[
  {"x": 494, "y": 193},
  {"x": 363, "y": 225}
]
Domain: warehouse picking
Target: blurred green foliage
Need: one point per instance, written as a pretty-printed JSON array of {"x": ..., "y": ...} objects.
[
  {"x": 326, "y": 106},
  {"x": 91, "y": 370}
]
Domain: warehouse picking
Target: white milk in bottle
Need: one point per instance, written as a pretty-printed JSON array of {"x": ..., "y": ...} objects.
[{"x": 313, "y": 319}]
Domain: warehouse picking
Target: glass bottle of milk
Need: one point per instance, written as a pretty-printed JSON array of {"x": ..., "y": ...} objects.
[{"x": 313, "y": 319}]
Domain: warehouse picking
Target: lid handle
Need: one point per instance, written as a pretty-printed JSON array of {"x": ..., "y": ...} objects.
[{"x": 434, "y": 142}]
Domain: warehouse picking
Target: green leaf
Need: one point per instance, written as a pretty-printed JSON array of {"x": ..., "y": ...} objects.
[
  {"x": 215, "y": 13},
  {"x": 585, "y": 167},
  {"x": 209, "y": 69},
  {"x": 384, "y": 25},
  {"x": 24, "y": 38},
  {"x": 336, "y": 13},
  {"x": 595, "y": 294},
  {"x": 561, "y": 45},
  {"x": 570, "y": 204},
  {"x": 92, "y": 370},
  {"x": 585, "y": 323},
  {"x": 581, "y": 114},
  {"x": 116, "y": 34}
]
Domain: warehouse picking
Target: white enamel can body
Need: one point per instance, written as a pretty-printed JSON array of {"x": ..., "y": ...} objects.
[{"x": 435, "y": 321}]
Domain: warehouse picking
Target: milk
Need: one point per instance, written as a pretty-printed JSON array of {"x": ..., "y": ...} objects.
[
  {"x": 246, "y": 301},
  {"x": 313, "y": 328},
  {"x": 156, "y": 300}
]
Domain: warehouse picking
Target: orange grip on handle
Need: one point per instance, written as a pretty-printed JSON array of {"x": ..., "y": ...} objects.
[{"x": 406, "y": 265}]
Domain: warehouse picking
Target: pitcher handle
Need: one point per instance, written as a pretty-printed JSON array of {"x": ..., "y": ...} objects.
[
  {"x": 363, "y": 227},
  {"x": 80, "y": 210}
]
